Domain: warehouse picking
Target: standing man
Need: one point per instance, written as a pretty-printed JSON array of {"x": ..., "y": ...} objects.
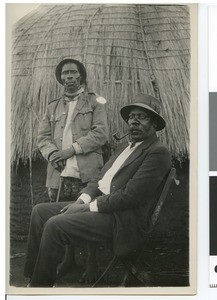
[
  {"x": 116, "y": 209},
  {"x": 72, "y": 133}
]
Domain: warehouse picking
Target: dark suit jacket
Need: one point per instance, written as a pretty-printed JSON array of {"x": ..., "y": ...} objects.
[{"x": 135, "y": 188}]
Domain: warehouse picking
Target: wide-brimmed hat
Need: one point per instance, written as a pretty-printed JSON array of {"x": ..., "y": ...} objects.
[
  {"x": 150, "y": 104},
  {"x": 80, "y": 66}
]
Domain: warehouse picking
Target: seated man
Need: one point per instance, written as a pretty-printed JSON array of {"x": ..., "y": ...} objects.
[{"x": 115, "y": 209}]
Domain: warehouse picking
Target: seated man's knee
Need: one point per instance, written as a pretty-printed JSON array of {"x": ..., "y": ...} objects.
[
  {"x": 37, "y": 209},
  {"x": 51, "y": 224},
  {"x": 40, "y": 213}
]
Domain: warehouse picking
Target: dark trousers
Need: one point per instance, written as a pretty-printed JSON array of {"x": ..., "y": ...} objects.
[{"x": 51, "y": 231}]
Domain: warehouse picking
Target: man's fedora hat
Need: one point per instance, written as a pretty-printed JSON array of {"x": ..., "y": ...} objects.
[
  {"x": 80, "y": 66},
  {"x": 149, "y": 103}
]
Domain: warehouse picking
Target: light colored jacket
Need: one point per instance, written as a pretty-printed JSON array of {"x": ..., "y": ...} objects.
[{"x": 89, "y": 129}]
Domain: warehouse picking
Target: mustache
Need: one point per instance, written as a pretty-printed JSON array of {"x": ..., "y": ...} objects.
[
  {"x": 134, "y": 127},
  {"x": 73, "y": 80}
]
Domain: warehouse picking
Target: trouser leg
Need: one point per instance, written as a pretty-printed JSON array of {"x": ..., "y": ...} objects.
[
  {"x": 70, "y": 191},
  {"x": 50, "y": 254},
  {"x": 61, "y": 230},
  {"x": 40, "y": 214}
]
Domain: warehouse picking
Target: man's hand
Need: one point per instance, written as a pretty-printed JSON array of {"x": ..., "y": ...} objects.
[
  {"x": 75, "y": 208},
  {"x": 79, "y": 201},
  {"x": 62, "y": 155},
  {"x": 59, "y": 166}
]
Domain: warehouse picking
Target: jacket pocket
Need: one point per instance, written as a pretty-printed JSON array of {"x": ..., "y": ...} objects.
[
  {"x": 84, "y": 119},
  {"x": 55, "y": 118}
]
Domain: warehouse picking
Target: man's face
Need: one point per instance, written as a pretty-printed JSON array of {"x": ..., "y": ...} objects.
[
  {"x": 141, "y": 125},
  {"x": 71, "y": 77}
]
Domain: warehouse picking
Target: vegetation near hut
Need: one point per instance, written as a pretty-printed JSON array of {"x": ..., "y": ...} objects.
[{"x": 126, "y": 49}]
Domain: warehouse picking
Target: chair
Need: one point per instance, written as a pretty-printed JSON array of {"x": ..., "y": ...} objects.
[{"x": 130, "y": 263}]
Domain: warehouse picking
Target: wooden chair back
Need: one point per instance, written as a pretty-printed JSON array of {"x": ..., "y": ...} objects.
[{"x": 163, "y": 196}]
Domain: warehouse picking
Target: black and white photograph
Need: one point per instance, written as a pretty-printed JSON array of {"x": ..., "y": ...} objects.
[{"x": 102, "y": 158}]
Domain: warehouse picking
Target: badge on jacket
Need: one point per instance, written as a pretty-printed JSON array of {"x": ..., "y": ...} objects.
[{"x": 101, "y": 100}]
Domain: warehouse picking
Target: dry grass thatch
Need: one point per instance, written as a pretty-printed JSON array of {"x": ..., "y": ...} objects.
[{"x": 125, "y": 48}]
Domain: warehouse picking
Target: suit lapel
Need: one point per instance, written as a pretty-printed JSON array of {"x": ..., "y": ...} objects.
[
  {"x": 113, "y": 158},
  {"x": 138, "y": 151}
]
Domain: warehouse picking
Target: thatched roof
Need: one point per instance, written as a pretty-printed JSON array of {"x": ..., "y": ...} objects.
[{"x": 126, "y": 49}]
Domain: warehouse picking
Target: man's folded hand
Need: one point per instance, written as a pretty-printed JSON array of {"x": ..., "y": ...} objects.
[
  {"x": 62, "y": 155},
  {"x": 79, "y": 201},
  {"x": 75, "y": 208}
]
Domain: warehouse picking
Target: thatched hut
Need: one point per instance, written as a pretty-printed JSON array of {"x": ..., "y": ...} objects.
[{"x": 126, "y": 49}]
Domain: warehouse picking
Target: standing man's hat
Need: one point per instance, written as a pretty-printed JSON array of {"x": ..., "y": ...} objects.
[
  {"x": 80, "y": 66},
  {"x": 149, "y": 103}
]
